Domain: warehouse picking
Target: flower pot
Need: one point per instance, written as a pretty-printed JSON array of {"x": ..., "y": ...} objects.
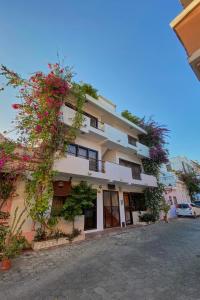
[{"x": 5, "y": 264}]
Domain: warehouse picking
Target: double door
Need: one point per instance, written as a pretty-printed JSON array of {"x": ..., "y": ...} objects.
[{"x": 111, "y": 209}]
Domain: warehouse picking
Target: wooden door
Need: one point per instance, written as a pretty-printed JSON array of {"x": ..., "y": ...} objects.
[
  {"x": 128, "y": 209},
  {"x": 111, "y": 209}
]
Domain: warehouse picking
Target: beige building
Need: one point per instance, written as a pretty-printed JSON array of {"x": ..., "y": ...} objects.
[
  {"x": 107, "y": 154},
  {"x": 187, "y": 28}
]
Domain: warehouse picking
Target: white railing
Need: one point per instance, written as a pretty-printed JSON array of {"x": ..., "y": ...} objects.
[
  {"x": 108, "y": 132},
  {"x": 142, "y": 150},
  {"x": 68, "y": 117}
]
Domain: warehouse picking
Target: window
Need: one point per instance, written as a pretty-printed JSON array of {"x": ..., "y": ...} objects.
[
  {"x": 82, "y": 152},
  {"x": 175, "y": 200},
  {"x": 136, "y": 169},
  {"x": 72, "y": 149},
  {"x": 86, "y": 153},
  {"x": 169, "y": 168},
  {"x": 170, "y": 200},
  {"x": 132, "y": 140},
  {"x": 93, "y": 120},
  {"x": 137, "y": 201}
]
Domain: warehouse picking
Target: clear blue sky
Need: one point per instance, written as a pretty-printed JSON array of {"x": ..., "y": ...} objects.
[{"x": 125, "y": 49}]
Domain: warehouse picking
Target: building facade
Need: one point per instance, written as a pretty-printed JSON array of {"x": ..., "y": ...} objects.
[
  {"x": 107, "y": 154},
  {"x": 187, "y": 28},
  {"x": 175, "y": 191}
]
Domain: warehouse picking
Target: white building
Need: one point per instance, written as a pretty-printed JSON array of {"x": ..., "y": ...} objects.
[
  {"x": 175, "y": 190},
  {"x": 184, "y": 165},
  {"x": 107, "y": 154}
]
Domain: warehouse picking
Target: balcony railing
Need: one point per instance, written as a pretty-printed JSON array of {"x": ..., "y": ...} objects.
[{"x": 105, "y": 131}]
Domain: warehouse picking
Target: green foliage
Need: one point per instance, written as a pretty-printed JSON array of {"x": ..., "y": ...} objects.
[
  {"x": 165, "y": 207},
  {"x": 11, "y": 240},
  {"x": 150, "y": 167},
  {"x": 6, "y": 187},
  {"x": 153, "y": 199},
  {"x": 132, "y": 118},
  {"x": 147, "y": 217},
  {"x": 76, "y": 232},
  {"x": 40, "y": 235},
  {"x": 82, "y": 196},
  {"x": 88, "y": 89},
  {"x": 192, "y": 182}
]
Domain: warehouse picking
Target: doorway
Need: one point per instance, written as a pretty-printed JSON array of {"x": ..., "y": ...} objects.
[
  {"x": 91, "y": 217},
  {"x": 128, "y": 207},
  {"x": 111, "y": 209}
]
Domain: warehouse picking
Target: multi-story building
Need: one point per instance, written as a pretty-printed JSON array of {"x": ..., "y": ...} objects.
[
  {"x": 187, "y": 28},
  {"x": 175, "y": 191},
  {"x": 107, "y": 154}
]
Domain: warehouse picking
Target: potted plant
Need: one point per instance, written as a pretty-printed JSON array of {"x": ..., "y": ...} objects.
[
  {"x": 11, "y": 240},
  {"x": 82, "y": 197},
  {"x": 12, "y": 247},
  {"x": 165, "y": 207}
]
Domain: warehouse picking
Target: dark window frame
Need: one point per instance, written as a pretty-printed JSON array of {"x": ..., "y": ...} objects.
[
  {"x": 92, "y": 166},
  {"x": 133, "y": 166},
  {"x": 94, "y": 122},
  {"x": 132, "y": 140}
]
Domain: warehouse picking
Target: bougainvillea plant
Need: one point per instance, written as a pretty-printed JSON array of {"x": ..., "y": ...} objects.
[
  {"x": 155, "y": 139},
  {"x": 41, "y": 130}
]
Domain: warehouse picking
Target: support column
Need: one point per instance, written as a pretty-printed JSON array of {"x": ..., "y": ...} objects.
[
  {"x": 100, "y": 210},
  {"x": 121, "y": 208}
]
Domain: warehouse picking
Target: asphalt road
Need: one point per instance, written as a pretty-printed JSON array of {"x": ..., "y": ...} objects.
[{"x": 156, "y": 262}]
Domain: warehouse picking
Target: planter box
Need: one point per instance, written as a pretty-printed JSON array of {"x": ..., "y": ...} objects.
[{"x": 54, "y": 243}]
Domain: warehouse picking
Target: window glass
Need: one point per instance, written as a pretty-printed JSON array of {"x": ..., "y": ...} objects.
[
  {"x": 82, "y": 152},
  {"x": 132, "y": 140},
  {"x": 71, "y": 149},
  {"x": 170, "y": 200},
  {"x": 175, "y": 200}
]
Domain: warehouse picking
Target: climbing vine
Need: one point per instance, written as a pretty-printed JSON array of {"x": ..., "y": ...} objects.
[
  {"x": 155, "y": 139},
  {"x": 41, "y": 128}
]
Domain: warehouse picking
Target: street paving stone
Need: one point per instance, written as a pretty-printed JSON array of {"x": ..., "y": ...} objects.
[{"x": 156, "y": 262}]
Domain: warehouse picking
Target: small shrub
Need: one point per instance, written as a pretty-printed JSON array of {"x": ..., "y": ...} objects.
[
  {"x": 147, "y": 217},
  {"x": 41, "y": 235},
  {"x": 76, "y": 232}
]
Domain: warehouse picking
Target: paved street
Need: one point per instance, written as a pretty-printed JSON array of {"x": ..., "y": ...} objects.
[{"x": 159, "y": 262}]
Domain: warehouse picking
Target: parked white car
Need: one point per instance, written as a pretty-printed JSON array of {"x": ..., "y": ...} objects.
[{"x": 187, "y": 209}]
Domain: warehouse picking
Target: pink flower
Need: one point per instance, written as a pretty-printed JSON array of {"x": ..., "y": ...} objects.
[
  {"x": 38, "y": 128},
  {"x": 26, "y": 157},
  {"x": 16, "y": 106}
]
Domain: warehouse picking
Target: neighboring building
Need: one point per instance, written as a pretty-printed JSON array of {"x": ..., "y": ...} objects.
[
  {"x": 175, "y": 190},
  {"x": 106, "y": 153},
  {"x": 180, "y": 164},
  {"x": 184, "y": 165},
  {"x": 187, "y": 28}
]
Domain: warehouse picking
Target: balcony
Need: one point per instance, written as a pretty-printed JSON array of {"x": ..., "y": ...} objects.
[
  {"x": 101, "y": 171},
  {"x": 142, "y": 150},
  {"x": 187, "y": 27},
  {"x": 68, "y": 117},
  {"x": 111, "y": 136}
]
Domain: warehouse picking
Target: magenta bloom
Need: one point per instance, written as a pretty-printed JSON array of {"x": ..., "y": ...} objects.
[
  {"x": 16, "y": 106},
  {"x": 38, "y": 128}
]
